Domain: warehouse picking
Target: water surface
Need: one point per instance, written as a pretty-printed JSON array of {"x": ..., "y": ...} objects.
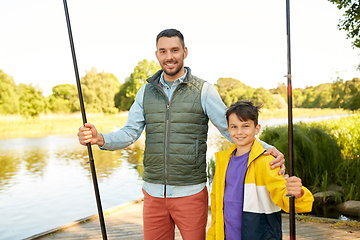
[{"x": 46, "y": 182}]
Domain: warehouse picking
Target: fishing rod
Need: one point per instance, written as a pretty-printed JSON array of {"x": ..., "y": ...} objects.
[
  {"x": 290, "y": 123},
  {"x": 82, "y": 107}
]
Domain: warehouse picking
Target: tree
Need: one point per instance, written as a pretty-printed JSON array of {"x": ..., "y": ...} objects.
[
  {"x": 64, "y": 99},
  {"x": 126, "y": 95},
  {"x": 99, "y": 91},
  {"x": 351, "y": 21},
  {"x": 279, "y": 101},
  {"x": 354, "y": 102},
  {"x": 297, "y": 97},
  {"x": 264, "y": 97},
  {"x": 122, "y": 102},
  {"x": 9, "y": 98},
  {"x": 351, "y": 94},
  {"x": 338, "y": 93},
  {"x": 231, "y": 90},
  {"x": 323, "y": 98},
  {"x": 281, "y": 89},
  {"x": 32, "y": 101}
]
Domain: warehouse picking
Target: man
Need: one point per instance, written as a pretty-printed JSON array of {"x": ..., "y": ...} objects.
[{"x": 175, "y": 107}]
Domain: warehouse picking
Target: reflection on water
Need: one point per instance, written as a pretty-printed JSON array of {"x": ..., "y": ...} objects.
[{"x": 46, "y": 182}]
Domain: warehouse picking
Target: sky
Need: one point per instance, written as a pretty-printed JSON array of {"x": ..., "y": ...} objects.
[{"x": 239, "y": 39}]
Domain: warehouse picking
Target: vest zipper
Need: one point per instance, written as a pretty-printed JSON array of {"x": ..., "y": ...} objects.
[
  {"x": 166, "y": 136},
  {"x": 167, "y": 132},
  {"x": 166, "y": 140}
]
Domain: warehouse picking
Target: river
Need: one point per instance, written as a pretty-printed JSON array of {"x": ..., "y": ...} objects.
[{"x": 46, "y": 182}]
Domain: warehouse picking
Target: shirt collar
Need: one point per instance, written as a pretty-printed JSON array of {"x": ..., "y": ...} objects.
[{"x": 180, "y": 79}]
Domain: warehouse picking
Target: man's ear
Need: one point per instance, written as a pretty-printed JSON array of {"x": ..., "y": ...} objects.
[
  {"x": 185, "y": 52},
  {"x": 156, "y": 54}
]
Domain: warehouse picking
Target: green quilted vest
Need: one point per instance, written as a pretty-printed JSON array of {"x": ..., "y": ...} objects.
[{"x": 176, "y": 133}]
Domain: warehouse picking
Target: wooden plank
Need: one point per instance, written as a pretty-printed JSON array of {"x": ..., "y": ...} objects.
[{"x": 125, "y": 222}]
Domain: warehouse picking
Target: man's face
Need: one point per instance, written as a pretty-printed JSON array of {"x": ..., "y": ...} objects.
[{"x": 171, "y": 54}]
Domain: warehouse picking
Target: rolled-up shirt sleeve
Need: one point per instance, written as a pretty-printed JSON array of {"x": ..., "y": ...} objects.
[
  {"x": 215, "y": 109},
  {"x": 132, "y": 129}
]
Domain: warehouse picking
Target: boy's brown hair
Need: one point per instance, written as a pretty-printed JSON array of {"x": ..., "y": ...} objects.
[{"x": 244, "y": 110}]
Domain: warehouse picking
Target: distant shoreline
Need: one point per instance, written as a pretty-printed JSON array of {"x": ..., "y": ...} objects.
[{"x": 17, "y": 126}]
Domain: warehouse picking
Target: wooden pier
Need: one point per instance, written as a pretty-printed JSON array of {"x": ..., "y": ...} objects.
[{"x": 125, "y": 222}]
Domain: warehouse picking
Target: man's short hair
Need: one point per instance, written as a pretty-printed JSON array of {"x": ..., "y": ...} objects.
[
  {"x": 171, "y": 33},
  {"x": 244, "y": 110}
]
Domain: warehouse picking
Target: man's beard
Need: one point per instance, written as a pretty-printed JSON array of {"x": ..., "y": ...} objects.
[{"x": 176, "y": 71}]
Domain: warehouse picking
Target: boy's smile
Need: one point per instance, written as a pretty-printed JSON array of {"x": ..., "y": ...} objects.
[{"x": 242, "y": 133}]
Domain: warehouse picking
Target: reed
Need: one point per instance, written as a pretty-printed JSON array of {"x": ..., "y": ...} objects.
[
  {"x": 15, "y": 126},
  {"x": 316, "y": 153},
  {"x": 55, "y": 124},
  {"x": 302, "y": 112},
  {"x": 325, "y": 153},
  {"x": 347, "y": 134}
]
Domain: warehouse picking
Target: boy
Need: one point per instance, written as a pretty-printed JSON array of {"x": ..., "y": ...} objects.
[{"x": 247, "y": 196}]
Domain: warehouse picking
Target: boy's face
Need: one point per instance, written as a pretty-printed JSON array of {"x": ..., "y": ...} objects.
[{"x": 242, "y": 133}]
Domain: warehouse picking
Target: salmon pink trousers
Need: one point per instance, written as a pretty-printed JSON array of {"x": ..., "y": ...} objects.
[{"x": 188, "y": 213}]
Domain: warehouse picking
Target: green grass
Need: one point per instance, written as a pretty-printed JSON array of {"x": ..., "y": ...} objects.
[
  {"x": 14, "y": 126},
  {"x": 325, "y": 153},
  {"x": 316, "y": 153},
  {"x": 301, "y": 112}
]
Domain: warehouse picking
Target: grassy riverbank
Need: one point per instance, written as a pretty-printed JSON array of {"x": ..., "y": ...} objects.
[
  {"x": 301, "y": 112},
  {"x": 55, "y": 124},
  {"x": 16, "y": 126}
]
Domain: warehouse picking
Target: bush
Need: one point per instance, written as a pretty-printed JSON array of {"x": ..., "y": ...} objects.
[{"x": 316, "y": 153}]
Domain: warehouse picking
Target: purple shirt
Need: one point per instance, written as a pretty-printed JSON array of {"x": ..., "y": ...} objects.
[{"x": 234, "y": 195}]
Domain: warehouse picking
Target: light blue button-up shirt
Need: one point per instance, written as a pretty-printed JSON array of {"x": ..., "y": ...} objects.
[{"x": 213, "y": 107}]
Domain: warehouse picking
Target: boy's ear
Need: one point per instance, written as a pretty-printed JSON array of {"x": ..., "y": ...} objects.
[{"x": 257, "y": 129}]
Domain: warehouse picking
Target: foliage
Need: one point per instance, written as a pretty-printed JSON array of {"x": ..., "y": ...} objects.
[
  {"x": 103, "y": 93},
  {"x": 32, "y": 101},
  {"x": 351, "y": 21},
  {"x": 99, "y": 91},
  {"x": 64, "y": 99},
  {"x": 122, "y": 102},
  {"x": 125, "y": 97},
  {"x": 326, "y": 152},
  {"x": 316, "y": 153},
  {"x": 339, "y": 94},
  {"x": 319, "y": 96},
  {"x": 9, "y": 98},
  {"x": 347, "y": 134},
  {"x": 297, "y": 97},
  {"x": 302, "y": 112},
  {"x": 281, "y": 90},
  {"x": 279, "y": 101},
  {"x": 348, "y": 178},
  {"x": 231, "y": 90},
  {"x": 297, "y": 94},
  {"x": 263, "y": 97}
]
